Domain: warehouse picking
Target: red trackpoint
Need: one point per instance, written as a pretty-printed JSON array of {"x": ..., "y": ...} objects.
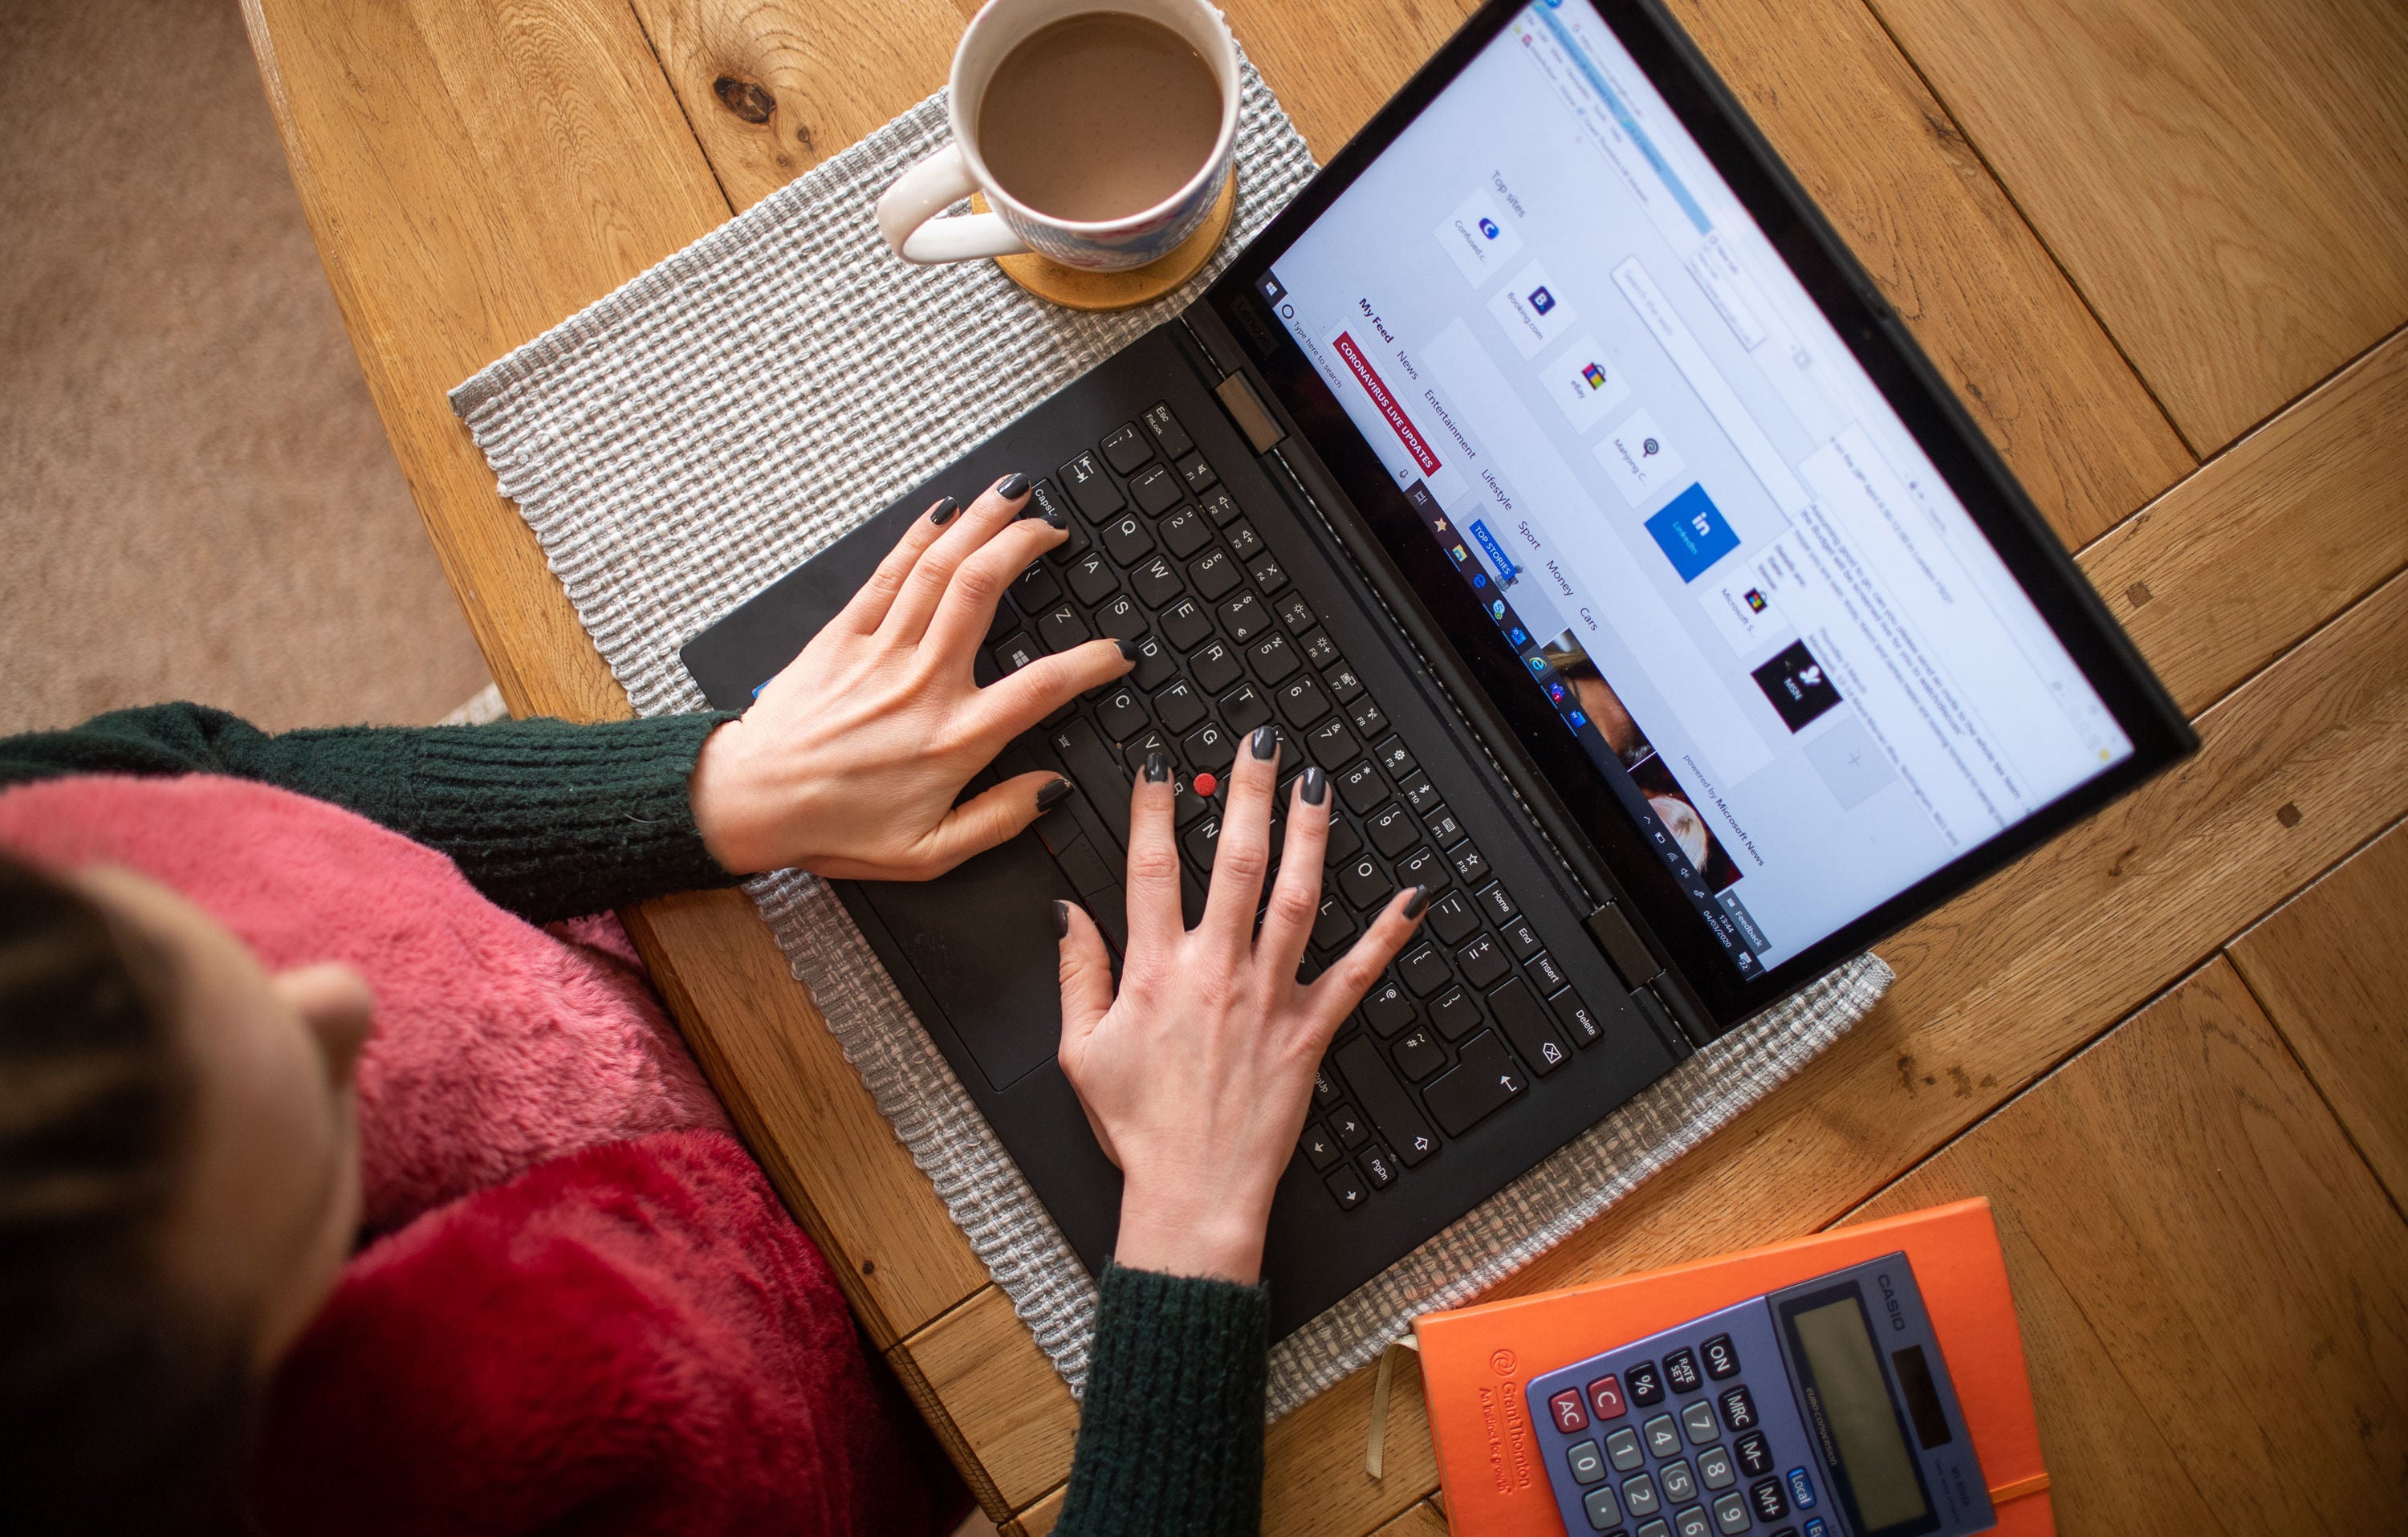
[{"x": 1205, "y": 785}]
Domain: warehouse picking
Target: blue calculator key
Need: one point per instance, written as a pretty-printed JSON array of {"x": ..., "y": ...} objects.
[
  {"x": 1599, "y": 1506},
  {"x": 1663, "y": 1437},
  {"x": 1814, "y": 1526},
  {"x": 1802, "y": 1489},
  {"x": 1699, "y": 1420},
  {"x": 1767, "y": 1497},
  {"x": 1586, "y": 1462},
  {"x": 1638, "y": 1495},
  {"x": 1722, "y": 1360},
  {"x": 1645, "y": 1382},
  {"x": 1691, "y": 1522},
  {"x": 1623, "y": 1448},
  {"x": 1681, "y": 1371},
  {"x": 1754, "y": 1456},
  {"x": 1738, "y": 1409},
  {"x": 1730, "y": 1514}
]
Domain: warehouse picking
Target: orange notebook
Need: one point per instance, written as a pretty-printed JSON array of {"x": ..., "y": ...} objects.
[{"x": 1476, "y": 1362}]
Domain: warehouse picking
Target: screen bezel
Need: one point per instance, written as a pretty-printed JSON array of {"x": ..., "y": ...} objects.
[
  {"x": 1841, "y": 1481},
  {"x": 1930, "y": 410}
]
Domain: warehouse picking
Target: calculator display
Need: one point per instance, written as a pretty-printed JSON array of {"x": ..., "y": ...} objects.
[{"x": 1853, "y": 1396}]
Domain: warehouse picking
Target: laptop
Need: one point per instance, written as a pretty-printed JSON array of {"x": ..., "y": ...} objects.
[{"x": 1549, "y": 473}]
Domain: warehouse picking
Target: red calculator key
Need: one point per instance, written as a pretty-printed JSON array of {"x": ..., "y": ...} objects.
[
  {"x": 1570, "y": 1415},
  {"x": 1605, "y": 1396}
]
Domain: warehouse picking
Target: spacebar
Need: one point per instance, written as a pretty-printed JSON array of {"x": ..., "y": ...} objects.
[
  {"x": 1097, "y": 772},
  {"x": 1391, "y": 1107}
]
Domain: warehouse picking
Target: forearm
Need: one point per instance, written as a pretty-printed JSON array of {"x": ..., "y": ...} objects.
[{"x": 1170, "y": 1431}]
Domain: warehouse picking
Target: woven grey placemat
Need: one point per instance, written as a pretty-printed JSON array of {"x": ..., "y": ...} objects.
[{"x": 700, "y": 432}]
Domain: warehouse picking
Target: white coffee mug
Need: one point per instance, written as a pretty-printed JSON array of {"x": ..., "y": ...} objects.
[{"x": 908, "y": 214}]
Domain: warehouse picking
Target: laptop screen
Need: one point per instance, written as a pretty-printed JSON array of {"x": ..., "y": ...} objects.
[{"x": 1796, "y": 662}]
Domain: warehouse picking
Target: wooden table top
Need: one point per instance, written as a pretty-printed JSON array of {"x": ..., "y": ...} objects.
[{"x": 2161, "y": 250}]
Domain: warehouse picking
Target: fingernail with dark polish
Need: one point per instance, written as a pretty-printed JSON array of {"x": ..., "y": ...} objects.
[
  {"x": 1013, "y": 486},
  {"x": 1315, "y": 788},
  {"x": 942, "y": 513},
  {"x": 1052, "y": 794},
  {"x": 1266, "y": 742},
  {"x": 1157, "y": 768},
  {"x": 1130, "y": 649},
  {"x": 1061, "y": 920},
  {"x": 1419, "y": 900},
  {"x": 1056, "y": 518}
]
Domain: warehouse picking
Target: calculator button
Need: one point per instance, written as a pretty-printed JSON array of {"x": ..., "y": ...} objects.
[
  {"x": 1730, "y": 1513},
  {"x": 1678, "y": 1484},
  {"x": 1653, "y": 1528},
  {"x": 1605, "y": 1396},
  {"x": 1691, "y": 1522},
  {"x": 1663, "y": 1437},
  {"x": 1715, "y": 1468},
  {"x": 1738, "y": 1409},
  {"x": 1815, "y": 1527},
  {"x": 1770, "y": 1505},
  {"x": 1802, "y": 1489},
  {"x": 1681, "y": 1371},
  {"x": 1601, "y": 1507},
  {"x": 1638, "y": 1495},
  {"x": 1647, "y": 1383},
  {"x": 1586, "y": 1462},
  {"x": 1699, "y": 1420},
  {"x": 1622, "y": 1449},
  {"x": 1754, "y": 1456},
  {"x": 1569, "y": 1413},
  {"x": 1721, "y": 1359}
]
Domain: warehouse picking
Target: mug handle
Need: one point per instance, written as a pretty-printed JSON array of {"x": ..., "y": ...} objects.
[{"x": 906, "y": 215}]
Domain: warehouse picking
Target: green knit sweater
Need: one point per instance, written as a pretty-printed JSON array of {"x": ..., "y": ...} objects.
[{"x": 551, "y": 820}]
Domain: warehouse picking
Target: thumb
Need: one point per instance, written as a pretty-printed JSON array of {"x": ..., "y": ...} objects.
[
  {"x": 983, "y": 821},
  {"x": 1086, "y": 975}
]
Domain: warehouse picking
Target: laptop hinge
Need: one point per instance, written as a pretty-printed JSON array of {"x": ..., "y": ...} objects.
[
  {"x": 1246, "y": 409},
  {"x": 1623, "y": 946}
]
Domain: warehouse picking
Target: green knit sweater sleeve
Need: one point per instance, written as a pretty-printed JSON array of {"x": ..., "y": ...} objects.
[
  {"x": 547, "y": 818},
  {"x": 1171, "y": 1428}
]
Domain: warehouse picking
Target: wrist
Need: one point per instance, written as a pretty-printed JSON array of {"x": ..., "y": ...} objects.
[
  {"x": 725, "y": 812},
  {"x": 1178, "y": 1230}
]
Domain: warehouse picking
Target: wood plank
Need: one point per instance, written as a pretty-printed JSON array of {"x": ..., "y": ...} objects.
[
  {"x": 833, "y": 1158},
  {"x": 1039, "y": 1518},
  {"x": 1010, "y": 1405},
  {"x": 1423, "y": 1521},
  {"x": 1313, "y": 1478},
  {"x": 2270, "y": 539},
  {"x": 2225, "y": 180},
  {"x": 2211, "y": 1274},
  {"x": 2332, "y": 968}
]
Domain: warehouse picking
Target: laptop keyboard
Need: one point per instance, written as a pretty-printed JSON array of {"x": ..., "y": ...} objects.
[{"x": 1162, "y": 555}]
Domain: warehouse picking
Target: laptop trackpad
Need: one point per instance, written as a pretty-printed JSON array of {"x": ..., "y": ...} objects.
[{"x": 982, "y": 939}]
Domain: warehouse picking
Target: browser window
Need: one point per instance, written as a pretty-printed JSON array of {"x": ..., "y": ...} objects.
[{"x": 1722, "y": 557}]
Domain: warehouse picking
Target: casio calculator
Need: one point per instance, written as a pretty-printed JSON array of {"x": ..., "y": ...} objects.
[{"x": 1819, "y": 1410}]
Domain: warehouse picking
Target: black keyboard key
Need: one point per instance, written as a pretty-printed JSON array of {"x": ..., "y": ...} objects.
[
  {"x": 1418, "y": 794},
  {"x": 1573, "y": 1013},
  {"x": 1185, "y": 807},
  {"x": 1324, "y": 1086},
  {"x": 1215, "y": 667},
  {"x": 1006, "y": 620},
  {"x": 1242, "y": 617},
  {"x": 1090, "y": 488},
  {"x": 1035, "y": 590},
  {"x": 1361, "y": 786},
  {"x": 1109, "y": 908},
  {"x": 1096, "y": 773},
  {"x": 1331, "y": 745},
  {"x": 1496, "y": 901},
  {"x": 1179, "y": 706},
  {"x": 1526, "y": 1025},
  {"x": 1546, "y": 975},
  {"x": 1483, "y": 1079},
  {"x": 1061, "y": 628},
  {"x": 1126, "y": 540},
  {"x": 1419, "y": 1054},
  {"x": 1377, "y": 1167},
  {"x": 1197, "y": 474},
  {"x": 1244, "y": 708},
  {"x": 1443, "y": 827},
  {"x": 1184, "y": 532},
  {"x": 1090, "y": 578},
  {"x": 1391, "y": 830},
  {"x": 1126, "y": 448},
  {"x": 1456, "y": 1013},
  {"x": 1344, "y": 842},
  {"x": 1386, "y": 1008},
  {"x": 1423, "y": 970},
  {"x": 1390, "y": 1107},
  {"x": 1220, "y": 507},
  {"x": 1367, "y": 717},
  {"x": 1133, "y": 750},
  {"x": 1086, "y": 868},
  {"x": 1364, "y": 883},
  {"x": 1482, "y": 961},
  {"x": 1155, "y": 666},
  {"x": 1422, "y": 867},
  {"x": 1317, "y": 647},
  {"x": 1334, "y": 927},
  {"x": 1521, "y": 939},
  {"x": 1201, "y": 841},
  {"x": 1469, "y": 867},
  {"x": 1298, "y": 615},
  {"x": 1451, "y": 918},
  {"x": 1167, "y": 430},
  {"x": 1155, "y": 491},
  {"x": 1346, "y": 1187},
  {"x": 1265, "y": 571},
  {"x": 1272, "y": 658},
  {"x": 1210, "y": 748},
  {"x": 1120, "y": 618},
  {"x": 1214, "y": 573},
  {"x": 1155, "y": 582},
  {"x": 1045, "y": 500},
  {"x": 1012, "y": 653},
  {"x": 1395, "y": 757},
  {"x": 1344, "y": 686},
  {"x": 1184, "y": 624},
  {"x": 1243, "y": 542},
  {"x": 1348, "y": 1123},
  {"x": 1121, "y": 715},
  {"x": 1320, "y": 1148},
  {"x": 1303, "y": 703}
]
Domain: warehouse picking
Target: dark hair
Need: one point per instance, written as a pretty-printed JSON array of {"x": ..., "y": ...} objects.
[{"x": 123, "y": 1406}]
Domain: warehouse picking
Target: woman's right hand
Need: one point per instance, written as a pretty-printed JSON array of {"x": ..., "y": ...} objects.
[{"x": 1197, "y": 1074}]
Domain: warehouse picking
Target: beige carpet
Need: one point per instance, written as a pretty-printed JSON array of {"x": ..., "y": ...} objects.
[{"x": 196, "y": 500}]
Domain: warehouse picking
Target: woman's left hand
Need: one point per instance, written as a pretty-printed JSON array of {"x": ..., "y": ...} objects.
[{"x": 849, "y": 763}]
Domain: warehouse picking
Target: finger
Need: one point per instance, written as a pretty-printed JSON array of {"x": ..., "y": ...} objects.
[
  {"x": 1155, "y": 921},
  {"x": 1243, "y": 850},
  {"x": 907, "y": 620},
  {"x": 1011, "y": 705},
  {"x": 1334, "y": 994},
  {"x": 868, "y": 607},
  {"x": 1086, "y": 975},
  {"x": 967, "y": 610},
  {"x": 1295, "y": 896},
  {"x": 985, "y": 821}
]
